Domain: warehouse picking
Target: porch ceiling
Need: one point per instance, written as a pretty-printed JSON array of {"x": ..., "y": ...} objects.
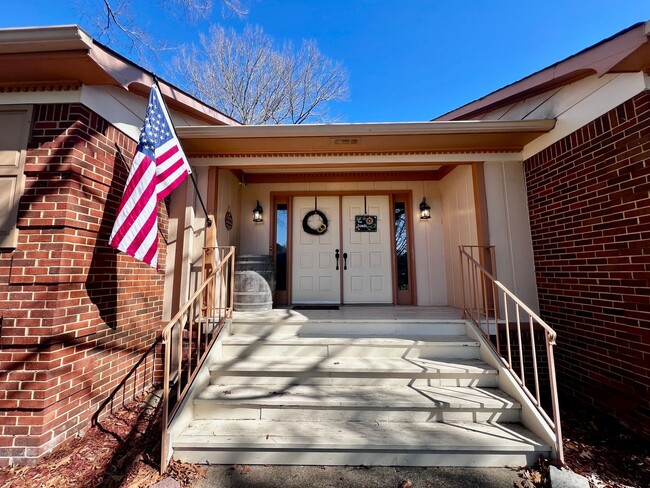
[{"x": 352, "y": 140}]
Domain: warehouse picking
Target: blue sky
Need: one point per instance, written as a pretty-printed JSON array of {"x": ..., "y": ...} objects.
[{"x": 408, "y": 60}]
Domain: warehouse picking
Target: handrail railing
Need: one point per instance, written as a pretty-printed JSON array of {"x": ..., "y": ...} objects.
[
  {"x": 495, "y": 310},
  {"x": 189, "y": 336}
]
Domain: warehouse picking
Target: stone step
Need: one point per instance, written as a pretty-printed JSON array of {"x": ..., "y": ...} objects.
[
  {"x": 444, "y": 346},
  {"x": 357, "y": 443},
  {"x": 316, "y": 403},
  {"x": 350, "y": 328},
  {"x": 263, "y": 370}
]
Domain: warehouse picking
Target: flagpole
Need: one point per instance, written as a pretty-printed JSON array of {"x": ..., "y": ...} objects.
[{"x": 208, "y": 220}]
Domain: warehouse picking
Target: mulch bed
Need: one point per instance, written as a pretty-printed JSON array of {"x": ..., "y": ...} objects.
[
  {"x": 124, "y": 451},
  {"x": 600, "y": 449}
]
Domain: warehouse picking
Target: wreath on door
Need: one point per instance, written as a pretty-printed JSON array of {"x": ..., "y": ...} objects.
[{"x": 315, "y": 227}]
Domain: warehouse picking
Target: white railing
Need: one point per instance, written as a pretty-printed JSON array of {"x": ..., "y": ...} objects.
[
  {"x": 496, "y": 311},
  {"x": 189, "y": 336}
]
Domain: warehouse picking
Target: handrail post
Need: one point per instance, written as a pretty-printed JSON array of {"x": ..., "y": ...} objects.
[
  {"x": 165, "y": 399},
  {"x": 198, "y": 314},
  {"x": 470, "y": 282},
  {"x": 554, "y": 400},
  {"x": 232, "y": 282},
  {"x": 462, "y": 282}
]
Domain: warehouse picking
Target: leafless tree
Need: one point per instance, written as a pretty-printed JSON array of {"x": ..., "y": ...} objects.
[
  {"x": 247, "y": 78},
  {"x": 116, "y": 25}
]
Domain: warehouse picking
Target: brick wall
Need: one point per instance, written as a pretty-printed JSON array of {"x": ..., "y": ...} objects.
[
  {"x": 77, "y": 315},
  {"x": 589, "y": 202}
]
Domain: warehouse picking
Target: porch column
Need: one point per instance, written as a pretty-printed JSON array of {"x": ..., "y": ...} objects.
[{"x": 509, "y": 228}]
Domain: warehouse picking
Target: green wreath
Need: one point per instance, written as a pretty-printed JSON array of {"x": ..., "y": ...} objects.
[{"x": 322, "y": 227}]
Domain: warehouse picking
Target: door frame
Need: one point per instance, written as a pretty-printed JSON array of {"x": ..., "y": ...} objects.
[{"x": 277, "y": 197}]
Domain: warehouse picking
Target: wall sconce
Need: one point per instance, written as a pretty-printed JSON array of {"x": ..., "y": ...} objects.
[
  {"x": 258, "y": 212},
  {"x": 425, "y": 209}
]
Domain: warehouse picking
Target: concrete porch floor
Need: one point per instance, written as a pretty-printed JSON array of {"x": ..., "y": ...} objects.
[{"x": 352, "y": 312}]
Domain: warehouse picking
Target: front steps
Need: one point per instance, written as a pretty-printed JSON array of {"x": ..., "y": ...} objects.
[{"x": 346, "y": 392}]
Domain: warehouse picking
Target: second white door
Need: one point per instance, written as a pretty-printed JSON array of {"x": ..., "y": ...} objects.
[{"x": 368, "y": 277}]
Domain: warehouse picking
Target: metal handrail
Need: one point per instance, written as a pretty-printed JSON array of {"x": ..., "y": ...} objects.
[
  {"x": 483, "y": 298},
  {"x": 189, "y": 336}
]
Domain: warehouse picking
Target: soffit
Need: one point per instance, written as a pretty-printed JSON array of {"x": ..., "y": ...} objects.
[
  {"x": 62, "y": 57},
  {"x": 360, "y": 139},
  {"x": 72, "y": 67}
]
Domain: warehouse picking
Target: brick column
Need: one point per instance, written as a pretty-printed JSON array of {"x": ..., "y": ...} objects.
[{"x": 77, "y": 314}]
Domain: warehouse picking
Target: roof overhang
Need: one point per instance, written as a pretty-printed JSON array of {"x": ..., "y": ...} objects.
[
  {"x": 625, "y": 52},
  {"x": 377, "y": 138},
  {"x": 67, "y": 57}
]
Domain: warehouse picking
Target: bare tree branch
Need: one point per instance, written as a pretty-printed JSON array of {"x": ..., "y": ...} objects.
[
  {"x": 247, "y": 78},
  {"x": 116, "y": 26}
]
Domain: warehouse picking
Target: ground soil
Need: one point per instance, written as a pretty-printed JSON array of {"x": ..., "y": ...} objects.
[{"x": 123, "y": 450}]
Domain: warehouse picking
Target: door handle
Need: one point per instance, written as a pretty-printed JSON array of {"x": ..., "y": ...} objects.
[
  {"x": 345, "y": 261},
  {"x": 336, "y": 255}
]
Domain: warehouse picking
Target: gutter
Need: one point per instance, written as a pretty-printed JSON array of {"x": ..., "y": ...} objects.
[
  {"x": 44, "y": 39},
  {"x": 369, "y": 129}
]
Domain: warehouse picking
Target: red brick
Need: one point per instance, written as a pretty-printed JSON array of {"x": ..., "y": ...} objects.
[
  {"x": 65, "y": 283},
  {"x": 600, "y": 307}
]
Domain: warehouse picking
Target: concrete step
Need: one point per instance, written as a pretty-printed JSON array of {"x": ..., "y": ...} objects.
[
  {"x": 267, "y": 371},
  {"x": 357, "y": 443},
  {"x": 440, "y": 347},
  {"x": 309, "y": 403},
  {"x": 350, "y": 328}
]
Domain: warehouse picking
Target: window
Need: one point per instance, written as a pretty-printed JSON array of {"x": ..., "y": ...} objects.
[
  {"x": 14, "y": 133},
  {"x": 401, "y": 246},
  {"x": 281, "y": 214}
]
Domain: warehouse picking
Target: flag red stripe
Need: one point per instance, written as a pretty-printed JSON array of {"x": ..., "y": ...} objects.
[
  {"x": 140, "y": 170},
  {"x": 168, "y": 173},
  {"x": 161, "y": 158},
  {"x": 143, "y": 232},
  {"x": 153, "y": 250},
  {"x": 159, "y": 165},
  {"x": 132, "y": 216}
]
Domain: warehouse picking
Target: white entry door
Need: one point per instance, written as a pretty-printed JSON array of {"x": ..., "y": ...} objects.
[
  {"x": 315, "y": 278},
  {"x": 364, "y": 258},
  {"x": 368, "y": 277}
]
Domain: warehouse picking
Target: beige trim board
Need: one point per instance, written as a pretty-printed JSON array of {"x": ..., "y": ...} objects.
[{"x": 300, "y": 161}]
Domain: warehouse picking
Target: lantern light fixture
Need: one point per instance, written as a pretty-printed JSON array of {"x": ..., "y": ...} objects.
[
  {"x": 258, "y": 213},
  {"x": 425, "y": 209}
]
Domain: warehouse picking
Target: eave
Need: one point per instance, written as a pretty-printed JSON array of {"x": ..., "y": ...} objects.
[
  {"x": 375, "y": 138},
  {"x": 45, "y": 58},
  {"x": 625, "y": 52}
]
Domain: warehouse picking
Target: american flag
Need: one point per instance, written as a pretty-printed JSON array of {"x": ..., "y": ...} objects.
[{"x": 158, "y": 167}]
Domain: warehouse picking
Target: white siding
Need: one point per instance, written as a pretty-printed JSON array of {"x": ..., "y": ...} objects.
[
  {"x": 573, "y": 105},
  {"x": 228, "y": 197},
  {"x": 459, "y": 224},
  {"x": 509, "y": 226}
]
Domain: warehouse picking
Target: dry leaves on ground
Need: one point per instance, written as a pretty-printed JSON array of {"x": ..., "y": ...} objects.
[
  {"x": 600, "y": 449},
  {"x": 122, "y": 451}
]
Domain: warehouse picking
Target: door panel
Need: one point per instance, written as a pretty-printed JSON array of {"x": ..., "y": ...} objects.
[
  {"x": 314, "y": 275},
  {"x": 368, "y": 278}
]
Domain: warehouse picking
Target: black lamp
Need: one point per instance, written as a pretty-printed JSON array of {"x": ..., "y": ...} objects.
[
  {"x": 258, "y": 212},
  {"x": 425, "y": 209}
]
